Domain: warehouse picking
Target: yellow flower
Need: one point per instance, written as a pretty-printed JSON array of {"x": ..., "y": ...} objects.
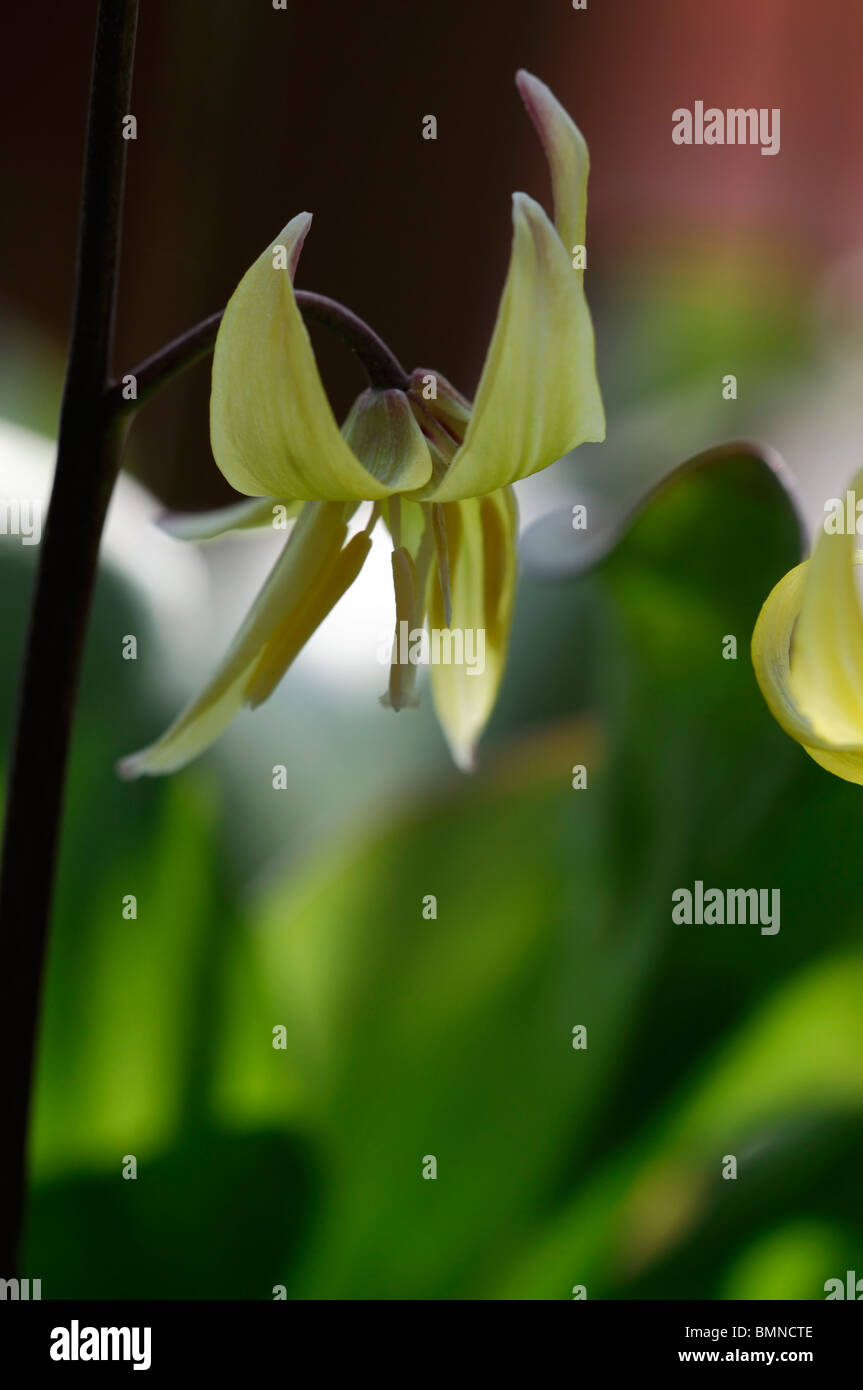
[
  {"x": 438, "y": 470},
  {"x": 807, "y": 650}
]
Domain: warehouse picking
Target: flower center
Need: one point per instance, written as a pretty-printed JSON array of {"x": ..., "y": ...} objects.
[{"x": 442, "y": 414}]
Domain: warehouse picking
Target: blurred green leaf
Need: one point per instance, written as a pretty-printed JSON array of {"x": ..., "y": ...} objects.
[
  {"x": 409, "y": 1037},
  {"x": 780, "y": 1265},
  {"x": 445, "y": 1038}
]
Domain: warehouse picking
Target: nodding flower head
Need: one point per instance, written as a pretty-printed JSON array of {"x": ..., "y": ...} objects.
[{"x": 437, "y": 470}]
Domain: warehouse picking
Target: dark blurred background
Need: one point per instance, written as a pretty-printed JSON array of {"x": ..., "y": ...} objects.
[{"x": 247, "y": 115}]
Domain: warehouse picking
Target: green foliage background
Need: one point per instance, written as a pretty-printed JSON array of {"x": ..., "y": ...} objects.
[{"x": 407, "y": 1037}]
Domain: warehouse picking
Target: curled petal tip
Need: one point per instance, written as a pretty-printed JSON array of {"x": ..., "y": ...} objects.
[
  {"x": 526, "y": 83},
  {"x": 566, "y": 153},
  {"x": 299, "y": 223},
  {"x": 295, "y": 233},
  {"x": 128, "y": 769},
  {"x": 465, "y": 757}
]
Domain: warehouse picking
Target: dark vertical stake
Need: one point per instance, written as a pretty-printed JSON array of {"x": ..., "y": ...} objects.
[{"x": 87, "y": 459}]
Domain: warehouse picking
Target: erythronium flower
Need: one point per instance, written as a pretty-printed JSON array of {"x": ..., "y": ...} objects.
[
  {"x": 807, "y": 649},
  {"x": 438, "y": 471}
]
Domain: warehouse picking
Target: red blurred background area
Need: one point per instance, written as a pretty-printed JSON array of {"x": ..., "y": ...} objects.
[{"x": 247, "y": 115}]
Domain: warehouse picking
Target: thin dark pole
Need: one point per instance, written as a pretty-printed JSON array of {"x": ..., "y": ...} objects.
[{"x": 89, "y": 442}]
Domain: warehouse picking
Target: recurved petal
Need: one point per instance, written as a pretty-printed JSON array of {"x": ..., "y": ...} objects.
[
  {"x": 272, "y": 429},
  {"x": 566, "y": 152},
  {"x": 786, "y": 649},
  {"x": 237, "y": 516},
  {"x": 307, "y": 580},
  {"x": 481, "y": 544},
  {"x": 538, "y": 395}
]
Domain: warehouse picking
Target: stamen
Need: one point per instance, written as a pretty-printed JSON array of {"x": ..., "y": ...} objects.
[
  {"x": 394, "y": 505},
  {"x": 496, "y": 550},
  {"x": 441, "y": 540},
  {"x": 405, "y": 585},
  {"x": 410, "y": 581}
]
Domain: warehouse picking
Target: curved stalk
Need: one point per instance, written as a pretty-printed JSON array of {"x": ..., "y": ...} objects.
[{"x": 381, "y": 365}]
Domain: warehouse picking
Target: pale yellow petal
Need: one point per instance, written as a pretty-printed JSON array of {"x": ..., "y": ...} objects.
[
  {"x": 272, "y": 428},
  {"x": 775, "y": 652},
  {"x": 566, "y": 152},
  {"x": 267, "y": 640},
  {"x": 827, "y": 646},
  {"x": 538, "y": 396},
  {"x": 481, "y": 543},
  {"x": 255, "y": 513}
]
